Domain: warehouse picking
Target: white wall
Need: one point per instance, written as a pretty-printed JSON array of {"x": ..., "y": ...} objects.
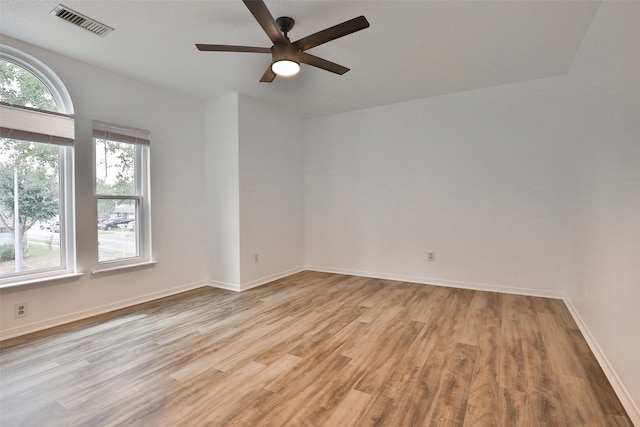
[
  {"x": 603, "y": 116},
  {"x": 271, "y": 192},
  {"x": 255, "y": 164},
  {"x": 177, "y": 135},
  {"x": 476, "y": 177},
  {"x": 223, "y": 191}
]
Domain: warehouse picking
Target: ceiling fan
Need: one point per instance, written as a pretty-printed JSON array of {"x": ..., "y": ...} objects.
[{"x": 285, "y": 55}]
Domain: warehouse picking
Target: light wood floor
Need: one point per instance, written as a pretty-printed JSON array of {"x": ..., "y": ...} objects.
[{"x": 313, "y": 349}]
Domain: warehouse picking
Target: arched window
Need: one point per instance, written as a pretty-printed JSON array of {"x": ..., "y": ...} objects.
[{"x": 36, "y": 172}]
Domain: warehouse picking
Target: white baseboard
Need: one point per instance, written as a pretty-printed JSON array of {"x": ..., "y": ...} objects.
[
  {"x": 440, "y": 282},
  {"x": 621, "y": 391},
  {"x": 254, "y": 283},
  {"x": 271, "y": 278},
  {"x": 84, "y": 314},
  {"x": 224, "y": 285}
]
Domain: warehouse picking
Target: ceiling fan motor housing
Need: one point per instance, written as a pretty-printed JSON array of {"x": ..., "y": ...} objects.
[{"x": 280, "y": 52}]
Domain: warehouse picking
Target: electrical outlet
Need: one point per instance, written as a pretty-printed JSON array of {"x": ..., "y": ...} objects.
[
  {"x": 256, "y": 258},
  {"x": 431, "y": 256},
  {"x": 20, "y": 310}
]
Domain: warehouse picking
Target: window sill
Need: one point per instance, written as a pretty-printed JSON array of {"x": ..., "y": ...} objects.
[
  {"x": 123, "y": 267},
  {"x": 40, "y": 280}
]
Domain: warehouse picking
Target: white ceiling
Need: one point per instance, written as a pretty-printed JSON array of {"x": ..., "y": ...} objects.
[{"x": 413, "y": 49}]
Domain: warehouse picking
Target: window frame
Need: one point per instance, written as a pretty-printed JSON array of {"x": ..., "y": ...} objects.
[
  {"x": 142, "y": 195},
  {"x": 66, "y": 175}
]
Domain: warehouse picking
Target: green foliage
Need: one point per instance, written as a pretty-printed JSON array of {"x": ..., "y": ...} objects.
[
  {"x": 115, "y": 167},
  {"x": 115, "y": 173},
  {"x": 38, "y": 188},
  {"x": 19, "y": 87},
  {"x": 7, "y": 253},
  {"x": 121, "y": 187}
]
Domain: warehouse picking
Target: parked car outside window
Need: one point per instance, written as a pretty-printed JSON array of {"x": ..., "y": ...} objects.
[{"x": 111, "y": 223}]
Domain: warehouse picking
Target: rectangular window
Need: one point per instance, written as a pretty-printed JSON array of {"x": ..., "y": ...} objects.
[
  {"x": 36, "y": 196},
  {"x": 122, "y": 194}
]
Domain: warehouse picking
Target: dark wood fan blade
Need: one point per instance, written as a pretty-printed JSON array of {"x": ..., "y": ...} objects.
[
  {"x": 259, "y": 11},
  {"x": 332, "y": 33},
  {"x": 229, "y": 48},
  {"x": 321, "y": 63},
  {"x": 268, "y": 75}
]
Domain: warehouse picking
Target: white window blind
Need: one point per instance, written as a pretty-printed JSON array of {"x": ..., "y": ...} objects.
[
  {"x": 34, "y": 125},
  {"x": 119, "y": 133}
]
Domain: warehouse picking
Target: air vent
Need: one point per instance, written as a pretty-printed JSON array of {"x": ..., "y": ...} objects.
[{"x": 80, "y": 20}]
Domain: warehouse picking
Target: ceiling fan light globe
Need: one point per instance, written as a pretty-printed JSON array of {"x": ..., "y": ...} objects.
[{"x": 285, "y": 68}]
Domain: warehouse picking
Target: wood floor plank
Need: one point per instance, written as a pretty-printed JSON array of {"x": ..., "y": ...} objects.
[
  {"x": 515, "y": 410},
  {"x": 350, "y": 410},
  {"x": 485, "y": 404},
  {"x": 313, "y": 349},
  {"x": 381, "y": 364},
  {"x": 452, "y": 393},
  {"x": 414, "y": 409},
  {"x": 544, "y": 400},
  {"x": 512, "y": 370}
]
